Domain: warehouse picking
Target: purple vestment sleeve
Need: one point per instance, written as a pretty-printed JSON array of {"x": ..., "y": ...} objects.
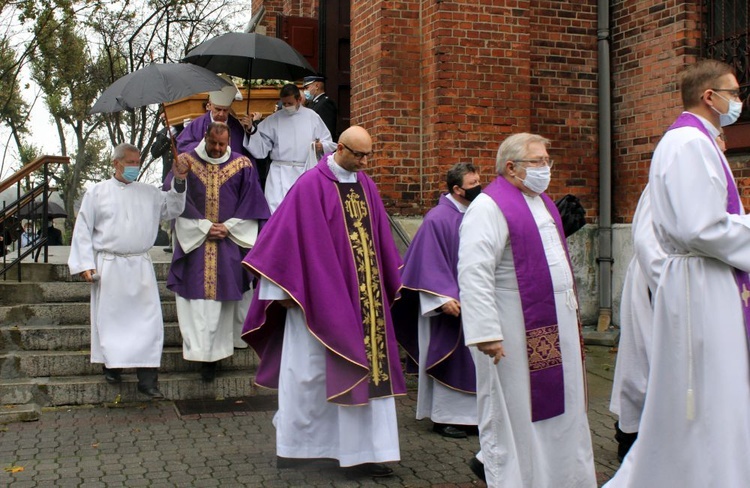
[
  {"x": 431, "y": 265},
  {"x": 305, "y": 249}
]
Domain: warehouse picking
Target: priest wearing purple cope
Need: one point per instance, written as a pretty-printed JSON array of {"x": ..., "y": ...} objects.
[
  {"x": 427, "y": 318},
  {"x": 223, "y": 210},
  {"x": 520, "y": 319},
  {"x": 218, "y": 109},
  {"x": 327, "y": 258}
]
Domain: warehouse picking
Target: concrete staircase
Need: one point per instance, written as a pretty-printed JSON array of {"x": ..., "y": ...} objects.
[{"x": 44, "y": 349}]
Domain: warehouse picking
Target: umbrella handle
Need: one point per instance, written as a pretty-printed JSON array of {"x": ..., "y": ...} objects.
[{"x": 169, "y": 133}]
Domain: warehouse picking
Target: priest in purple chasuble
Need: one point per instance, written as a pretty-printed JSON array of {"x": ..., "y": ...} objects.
[
  {"x": 694, "y": 429},
  {"x": 224, "y": 208},
  {"x": 520, "y": 319},
  {"x": 328, "y": 260},
  {"x": 427, "y": 317}
]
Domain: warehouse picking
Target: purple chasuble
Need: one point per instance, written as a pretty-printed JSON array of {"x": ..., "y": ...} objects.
[
  {"x": 431, "y": 266},
  {"x": 195, "y": 131},
  {"x": 686, "y": 119},
  {"x": 311, "y": 248},
  {"x": 216, "y": 192},
  {"x": 537, "y": 297}
]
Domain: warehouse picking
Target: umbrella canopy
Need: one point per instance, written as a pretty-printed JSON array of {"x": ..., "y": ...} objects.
[
  {"x": 54, "y": 210},
  {"x": 157, "y": 83},
  {"x": 250, "y": 56}
]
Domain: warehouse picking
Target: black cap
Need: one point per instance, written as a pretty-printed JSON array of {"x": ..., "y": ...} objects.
[{"x": 312, "y": 79}]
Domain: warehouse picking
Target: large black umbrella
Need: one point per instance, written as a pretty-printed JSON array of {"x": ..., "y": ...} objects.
[
  {"x": 35, "y": 210},
  {"x": 250, "y": 56},
  {"x": 157, "y": 83}
]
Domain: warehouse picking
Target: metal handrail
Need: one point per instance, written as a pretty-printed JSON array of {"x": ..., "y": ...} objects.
[{"x": 10, "y": 215}]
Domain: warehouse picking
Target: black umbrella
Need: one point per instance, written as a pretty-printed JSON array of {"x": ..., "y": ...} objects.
[
  {"x": 157, "y": 83},
  {"x": 35, "y": 210},
  {"x": 250, "y": 56}
]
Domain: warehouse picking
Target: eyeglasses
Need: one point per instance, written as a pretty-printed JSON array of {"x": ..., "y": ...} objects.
[
  {"x": 733, "y": 92},
  {"x": 536, "y": 163},
  {"x": 357, "y": 154}
]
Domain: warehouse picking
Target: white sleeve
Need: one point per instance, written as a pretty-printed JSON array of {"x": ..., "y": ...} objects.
[
  {"x": 429, "y": 303},
  {"x": 242, "y": 232},
  {"x": 173, "y": 203},
  {"x": 82, "y": 247},
  {"x": 260, "y": 143},
  {"x": 484, "y": 234},
  {"x": 191, "y": 233}
]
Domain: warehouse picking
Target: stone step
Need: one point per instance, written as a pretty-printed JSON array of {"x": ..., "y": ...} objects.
[
  {"x": 34, "y": 364},
  {"x": 20, "y": 413},
  {"x": 61, "y": 313},
  {"x": 75, "y": 337},
  {"x": 47, "y": 272},
  {"x": 14, "y": 293},
  {"x": 93, "y": 389}
]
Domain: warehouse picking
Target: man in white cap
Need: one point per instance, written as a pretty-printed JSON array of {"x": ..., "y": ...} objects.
[
  {"x": 295, "y": 137},
  {"x": 218, "y": 109}
]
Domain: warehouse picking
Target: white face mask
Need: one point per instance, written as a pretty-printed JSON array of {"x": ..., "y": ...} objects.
[
  {"x": 537, "y": 179},
  {"x": 291, "y": 109},
  {"x": 733, "y": 112}
]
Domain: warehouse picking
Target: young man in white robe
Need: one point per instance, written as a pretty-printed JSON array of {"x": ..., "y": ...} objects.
[
  {"x": 519, "y": 309},
  {"x": 115, "y": 228},
  {"x": 294, "y": 136},
  {"x": 695, "y": 428}
]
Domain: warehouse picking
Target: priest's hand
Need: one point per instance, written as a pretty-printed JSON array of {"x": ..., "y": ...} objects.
[
  {"x": 181, "y": 168},
  {"x": 451, "y": 308},
  {"x": 218, "y": 232},
  {"x": 493, "y": 349},
  {"x": 88, "y": 275},
  {"x": 288, "y": 303}
]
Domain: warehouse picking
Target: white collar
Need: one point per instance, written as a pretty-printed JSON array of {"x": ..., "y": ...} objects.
[
  {"x": 200, "y": 150},
  {"x": 341, "y": 174},
  {"x": 460, "y": 206}
]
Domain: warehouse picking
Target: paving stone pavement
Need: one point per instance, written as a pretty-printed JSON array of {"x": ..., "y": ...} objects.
[{"x": 150, "y": 445}]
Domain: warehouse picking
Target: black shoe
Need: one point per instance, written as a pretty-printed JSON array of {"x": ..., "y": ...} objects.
[
  {"x": 375, "y": 470},
  {"x": 624, "y": 441},
  {"x": 285, "y": 462},
  {"x": 451, "y": 431},
  {"x": 477, "y": 467},
  {"x": 152, "y": 392},
  {"x": 208, "y": 371},
  {"x": 112, "y": 375}
]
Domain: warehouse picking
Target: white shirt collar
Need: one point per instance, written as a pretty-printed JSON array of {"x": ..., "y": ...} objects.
[
  {"x": 460, "y": 206},
  {"x": 344, "y": 176},
  {"x": 200, "y": 150}
]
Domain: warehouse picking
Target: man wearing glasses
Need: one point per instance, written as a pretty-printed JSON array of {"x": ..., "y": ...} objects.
[
  {"x": 694, "y": 425},
  {"x": 327, "y": 258},
  {"x": 520, "y": 319}
]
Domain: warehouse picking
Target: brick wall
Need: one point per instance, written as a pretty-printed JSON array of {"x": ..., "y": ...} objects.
[{"x": 651, "y": 43}]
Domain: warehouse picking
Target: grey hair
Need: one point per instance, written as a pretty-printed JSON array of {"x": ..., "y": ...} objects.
[
  {"x": 119, "y": 151},
  {"x": 516, "y": 147}
]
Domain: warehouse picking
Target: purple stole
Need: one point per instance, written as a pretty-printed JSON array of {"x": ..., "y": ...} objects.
[
  {"x": 686, "y": 119},
  {"x": 537, "y": 297}
]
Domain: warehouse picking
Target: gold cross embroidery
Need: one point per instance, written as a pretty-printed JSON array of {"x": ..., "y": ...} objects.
[{"x": 745, "y": 294}]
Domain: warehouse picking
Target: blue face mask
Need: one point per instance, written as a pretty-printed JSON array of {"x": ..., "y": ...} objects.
[
  {"x": 130, "y": 173},
  {"x": 308, "y": 95}
]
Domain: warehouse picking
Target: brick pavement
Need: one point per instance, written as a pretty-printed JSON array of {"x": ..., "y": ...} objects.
[{"x": 149, "y": 445}]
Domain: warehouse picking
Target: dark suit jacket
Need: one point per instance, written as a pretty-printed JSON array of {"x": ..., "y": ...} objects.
[{"x": 326, "y": 108}]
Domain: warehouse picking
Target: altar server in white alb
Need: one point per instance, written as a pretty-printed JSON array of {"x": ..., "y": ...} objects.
[
  {"x": 114, "y": 230},
  {"x": 695, "y": 428},
  {"x": 295, "y": 136},
  {"x": 520, "y": 320}
]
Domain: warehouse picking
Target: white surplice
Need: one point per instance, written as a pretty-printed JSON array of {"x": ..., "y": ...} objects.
[
  {"x": 287, "y": 138},
  {"x": 115, "y": 228},
  {"x": 695, "y": 428},
  {"x": 309, "y": 426},
  {"x": 519, "y": 453},
  {"x": 636, "y": 315},
  {"x": 211, "y": 329}
]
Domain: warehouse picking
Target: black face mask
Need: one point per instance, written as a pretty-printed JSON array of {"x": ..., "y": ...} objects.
[{"x": 471, "y": 193}]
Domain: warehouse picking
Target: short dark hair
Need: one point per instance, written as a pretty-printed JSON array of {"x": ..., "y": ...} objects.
[
  {"x": 698, "y": 78},
  {"x": 455, "y": 175},
  {"x": 289, "y": 89},
  {"x": 218, "y": 128}
]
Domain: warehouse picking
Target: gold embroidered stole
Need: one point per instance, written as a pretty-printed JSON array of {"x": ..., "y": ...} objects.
[
  {"x": 213, "y": 176},
  {"x": 359, "y": 230}
]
